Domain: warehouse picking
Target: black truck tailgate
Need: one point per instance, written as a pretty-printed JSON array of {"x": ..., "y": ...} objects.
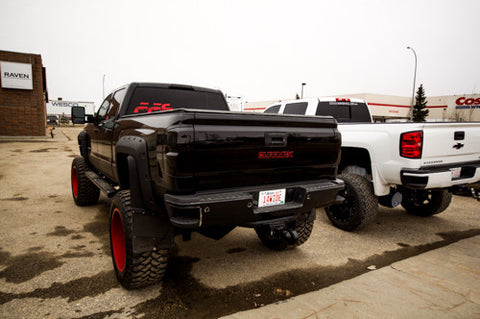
[{"x": 239, "y": 149}]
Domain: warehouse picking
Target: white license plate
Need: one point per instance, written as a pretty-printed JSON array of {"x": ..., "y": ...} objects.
[
  {"x": 271, "y": 198},
  {"x": 456, "y": 172}
]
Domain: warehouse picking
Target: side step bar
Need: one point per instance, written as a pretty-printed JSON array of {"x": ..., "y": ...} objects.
[{"x": 101, "y": 184}]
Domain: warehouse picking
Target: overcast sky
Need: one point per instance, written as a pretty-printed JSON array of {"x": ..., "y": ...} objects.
[{"x": 261, "y": 50}]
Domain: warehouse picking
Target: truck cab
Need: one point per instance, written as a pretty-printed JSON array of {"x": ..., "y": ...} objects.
[{"x": 344, "y": 110}]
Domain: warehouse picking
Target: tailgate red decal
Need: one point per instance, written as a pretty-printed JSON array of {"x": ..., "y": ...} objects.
[{"x": 275, "y": 155}]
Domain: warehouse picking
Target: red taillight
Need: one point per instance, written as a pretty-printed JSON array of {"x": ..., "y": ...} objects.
[{"x": 411, "y": 144}]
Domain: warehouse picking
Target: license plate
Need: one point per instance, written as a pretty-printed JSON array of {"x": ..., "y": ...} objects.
[
  {"x": 456, "y": 172},
  {"x": 271, "y": 198}
]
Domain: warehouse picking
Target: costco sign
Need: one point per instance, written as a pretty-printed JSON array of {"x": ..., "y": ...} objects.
[{"x": 467, "y": 103}]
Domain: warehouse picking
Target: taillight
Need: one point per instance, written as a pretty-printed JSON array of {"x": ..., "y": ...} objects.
[{"x": 411, "y": 144}]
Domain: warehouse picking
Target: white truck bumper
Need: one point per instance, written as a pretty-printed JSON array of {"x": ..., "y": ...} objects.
[{"x": 441, "y": 177}]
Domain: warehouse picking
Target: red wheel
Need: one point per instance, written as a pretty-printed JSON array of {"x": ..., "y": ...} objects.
[
  {"x": 118, "y": 240},
  {"x": 74, "y": 182},
  {"x": 83, "y": 190}
]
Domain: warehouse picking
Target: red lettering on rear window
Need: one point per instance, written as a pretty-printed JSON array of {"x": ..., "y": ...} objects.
[
  {"x": 145, "y": 107},
  {"x": 141, "y": 109}
]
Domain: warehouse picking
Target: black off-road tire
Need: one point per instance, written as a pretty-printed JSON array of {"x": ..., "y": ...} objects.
[
  {"x": 270, "y": 239},
  {"x": 132, "y": 271},
  {"x": 83, "y": 190},
  {"x": 426, "y": 203},
  {"x": 360, "y": 207}
]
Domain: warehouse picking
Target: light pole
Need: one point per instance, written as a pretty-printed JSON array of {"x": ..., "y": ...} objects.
[
  {"x": 414, "y": 78},
  {"x": 103, "y": 86},
  {"x": 303, "y": 84}
]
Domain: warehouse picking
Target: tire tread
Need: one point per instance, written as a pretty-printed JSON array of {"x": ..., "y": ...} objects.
[
  {"x": 88, "y": 193},
  {"x": 440, "y": 200},
  {"x": 366, "y": 208},
  {"x": 143, "y": 269}
]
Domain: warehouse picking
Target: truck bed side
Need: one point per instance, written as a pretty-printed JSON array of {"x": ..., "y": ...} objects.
[{"x": 440, "y": 150}]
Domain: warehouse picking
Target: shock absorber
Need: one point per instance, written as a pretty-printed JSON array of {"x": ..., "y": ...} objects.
[{"x": 475, "y": 193}]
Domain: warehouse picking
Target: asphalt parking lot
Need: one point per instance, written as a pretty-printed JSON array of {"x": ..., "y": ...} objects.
[{"x": 55, "y": 257}]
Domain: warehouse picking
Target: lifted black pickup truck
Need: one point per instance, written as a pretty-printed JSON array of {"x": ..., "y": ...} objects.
[{"x": 175, "y": 160}]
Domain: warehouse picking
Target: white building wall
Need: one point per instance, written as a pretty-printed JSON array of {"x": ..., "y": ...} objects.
[{"x": 60, "y": 107}]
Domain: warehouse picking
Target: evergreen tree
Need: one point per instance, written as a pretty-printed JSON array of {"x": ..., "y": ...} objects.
[{"x": 420, "y": 111}]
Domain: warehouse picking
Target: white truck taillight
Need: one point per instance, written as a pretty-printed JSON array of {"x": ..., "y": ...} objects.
[{"x": 411, "y": 144}]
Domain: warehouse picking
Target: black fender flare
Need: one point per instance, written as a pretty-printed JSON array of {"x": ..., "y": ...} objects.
[
  {"x": 84, "y": 144},
  {"x": 135, "y": 149}
]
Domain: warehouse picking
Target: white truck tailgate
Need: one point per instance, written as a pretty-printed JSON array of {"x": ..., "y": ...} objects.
[{"x": 451, "y": 142}]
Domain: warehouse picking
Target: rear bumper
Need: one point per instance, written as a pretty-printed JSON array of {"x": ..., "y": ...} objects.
[
  {"x": 441, "y": 177},
  {"x": 239, "y": 207}
]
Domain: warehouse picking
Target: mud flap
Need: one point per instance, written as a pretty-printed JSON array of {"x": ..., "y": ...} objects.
[{"x": 151, "y": 232}]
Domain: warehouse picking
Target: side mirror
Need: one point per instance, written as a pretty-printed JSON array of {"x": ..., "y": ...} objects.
[{"x": 78, "y": 115}]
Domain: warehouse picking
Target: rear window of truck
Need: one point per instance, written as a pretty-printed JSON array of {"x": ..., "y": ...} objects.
[
  {"x": 345, "y": 111},
  {"x": 273, "y": 109},
  {"x": 153, "y": 99},
  {"x": 296, "y": 108}
]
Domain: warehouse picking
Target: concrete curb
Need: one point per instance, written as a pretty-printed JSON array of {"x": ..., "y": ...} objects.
[
  {"x": 442, "y": 283},
  {"x": 59, "y": 136}
]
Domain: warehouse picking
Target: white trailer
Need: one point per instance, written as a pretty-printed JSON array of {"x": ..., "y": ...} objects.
[{"x": 60, "y": 107}]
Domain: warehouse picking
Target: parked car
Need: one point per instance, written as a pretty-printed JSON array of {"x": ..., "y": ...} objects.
[{"x": 52, "y": 120}]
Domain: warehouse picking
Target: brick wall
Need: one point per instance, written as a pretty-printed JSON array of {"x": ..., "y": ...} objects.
[{"x": 22, "y": 112}]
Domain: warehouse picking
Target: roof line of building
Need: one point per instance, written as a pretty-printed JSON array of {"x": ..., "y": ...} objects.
[{"x": 408, "y": 106}]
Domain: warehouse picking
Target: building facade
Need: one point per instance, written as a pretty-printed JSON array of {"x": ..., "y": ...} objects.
[{"x": 22, "y": 94}]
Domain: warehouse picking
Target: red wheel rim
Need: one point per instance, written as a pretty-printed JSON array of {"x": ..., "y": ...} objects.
[
  {"x": 74, "y": 182},
  {"x": 118, "y": 240}
]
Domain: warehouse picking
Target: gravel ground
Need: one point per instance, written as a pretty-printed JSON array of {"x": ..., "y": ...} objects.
[{"x": 55, "y": 257}]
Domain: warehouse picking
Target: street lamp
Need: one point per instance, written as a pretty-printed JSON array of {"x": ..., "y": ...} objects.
[
  {"x": 414, "y": 78},
  {"x": 103, "y": 86},
  {"x": 303, "y": 84}
]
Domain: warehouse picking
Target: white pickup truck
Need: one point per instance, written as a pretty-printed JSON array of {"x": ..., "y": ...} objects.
[{"x": 416, "y": 165}]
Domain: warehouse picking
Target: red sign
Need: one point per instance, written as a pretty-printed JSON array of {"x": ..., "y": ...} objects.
[{"x": 464, "y": 101}]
